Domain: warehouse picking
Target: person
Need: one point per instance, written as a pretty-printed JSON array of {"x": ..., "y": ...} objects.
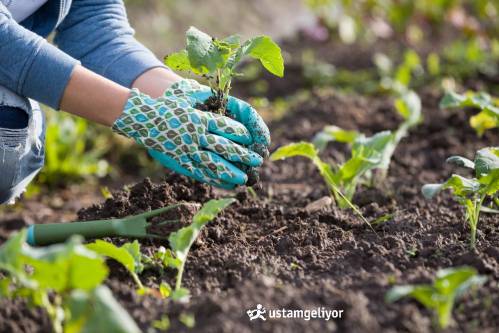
[{"x": 98, "y": 70}]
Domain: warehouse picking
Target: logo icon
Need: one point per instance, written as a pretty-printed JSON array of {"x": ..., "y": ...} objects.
[{"x": 257, "y": 313}]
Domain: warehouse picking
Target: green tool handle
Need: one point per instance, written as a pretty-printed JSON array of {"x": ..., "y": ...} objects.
[{"x": 45, "y": 234}]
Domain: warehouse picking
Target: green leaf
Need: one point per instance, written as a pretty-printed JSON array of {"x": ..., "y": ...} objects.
[
  {"x": 409, "y": 107},
  {"x": 205, "y": 56},
  {"x": 10, "y": 254},
  {"x": 461, "y": 162},
  {"x": 449, "y": 284},
  {"x": 234, "y": 41},
  {"x": 486, "y": 160},
  {"x": 410, "y": 64},
  {"x": 483, "y": 121},
  {"x": 64, "y": 267},
  {"x": 451, "y": 100},
  {"x": 455, "y": 281},
  {"x": 181, "y": 240},
  {"x": 488, "y": 117},
  {"x": 170, "y": 261},
  {"x": 462, "y": 186},
  {"x": 97, "y": 311},
  {"x": 333, "y": 133},
  {"x": 120, "y": 254},
  {"x": 178, "y": 61},
  {"x": 371, "y": 153},
  {"x": 187, "y": 319},
  {"x": 267, "y": 51},
  {"x": 134, "y": 249},
  {"x": 165, "y": 290},
  {"x": 430, "y": 190},
  {"x": 490, "y": 183},
  {"x": 180, "y": 294},
  {"x": 295, "y": 149}
]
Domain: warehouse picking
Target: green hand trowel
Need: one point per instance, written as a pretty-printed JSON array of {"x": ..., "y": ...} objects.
[{"x": 135, "y": 226}]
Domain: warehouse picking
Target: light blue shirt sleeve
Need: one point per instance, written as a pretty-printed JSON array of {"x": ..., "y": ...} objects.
[
  {"x": 97, "y": 32},
  {"x": 29, "y": 65}
]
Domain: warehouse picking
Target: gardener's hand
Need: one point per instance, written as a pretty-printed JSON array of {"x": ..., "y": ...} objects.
[
  {"x": 237, "y": 109},
  {"x": 197, "y": 144}
]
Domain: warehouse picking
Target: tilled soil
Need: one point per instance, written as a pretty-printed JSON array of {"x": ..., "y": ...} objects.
[{"x": 280, "y": 251}]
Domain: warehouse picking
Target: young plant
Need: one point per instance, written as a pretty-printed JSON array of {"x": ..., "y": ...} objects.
[
  {"x": 472, "y": 192},
  {"x": 128, "y": 255},
  {"x": 440, "y": 296},
  {"x": 65, "y": 280},
  {"x": 217, "y": 59},
  {"x": 367, "y": 153},
  {"x": 182, "y": 240},
  {"x": 76, "y": 151},
  {"x": 486, "y": 119}
]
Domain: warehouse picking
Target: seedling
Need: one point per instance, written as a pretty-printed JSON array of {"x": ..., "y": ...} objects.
[
  {"x": 486, "y": 119},
  {"x": 367, "y": 154},
  {"x": 182, "y": 240},
  {"x": 409, "y": 108},
  {"x": 472, "y": 192},
  {"x": 440, "y": 296},
  {"x": 65, "y": 280},
  {"x": 217, "y": 59},
  {"x": 128, "y": 255}
]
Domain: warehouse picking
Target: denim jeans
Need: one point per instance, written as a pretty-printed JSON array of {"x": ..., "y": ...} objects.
[{"x": 22, "y": 148}]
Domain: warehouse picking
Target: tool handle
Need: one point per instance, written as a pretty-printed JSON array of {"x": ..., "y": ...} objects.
[{"x": 44, "y": 234}]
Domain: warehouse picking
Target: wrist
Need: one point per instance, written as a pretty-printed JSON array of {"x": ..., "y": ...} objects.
[{"x": 155, "y": 81}]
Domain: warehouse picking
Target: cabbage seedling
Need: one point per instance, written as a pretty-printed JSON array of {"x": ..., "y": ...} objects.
[
  {"x": 217, "y": 59},
  {"x": 367, "y": 153},
  {"x": 487, "y": 118},
  {"x": 472, "y": 192},
  {"x": 128, "y": 255},
  {"x": 440, "y": 296},
  {"x": 72, "y": 275},
  {"x": 182, "y": 240}
]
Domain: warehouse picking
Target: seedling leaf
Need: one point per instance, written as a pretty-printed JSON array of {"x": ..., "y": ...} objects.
[
  {"x": 98, "y": 311},
  {"x": 205, "y": 56},
  {"x": 461, "y": 162},
  {"x": 182, "y": 240},
  {"x": 440, "y": 296},
  {"x": 178, "y": 61},
  {"x": 471, "y": 192},
  {"x": 487, "y": 118},
  {"x": 268, "y": 52},
  {"x": 128, "y": 255},
  {"x": 334, "y": 133}
]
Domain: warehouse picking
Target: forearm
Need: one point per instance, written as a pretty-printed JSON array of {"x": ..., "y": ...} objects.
[
  {"x": 155, "y": 81},
  {"x": 94, "y": 97}
]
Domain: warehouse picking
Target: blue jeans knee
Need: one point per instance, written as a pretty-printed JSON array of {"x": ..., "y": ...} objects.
[{"x": 22, "y": 150}]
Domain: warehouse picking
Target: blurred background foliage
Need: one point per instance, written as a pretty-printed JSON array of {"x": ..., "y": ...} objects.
[{"x": 436, "y": 42}]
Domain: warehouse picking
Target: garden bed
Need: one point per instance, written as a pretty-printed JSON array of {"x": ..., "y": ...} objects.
[{"x": 290, "y": 248}]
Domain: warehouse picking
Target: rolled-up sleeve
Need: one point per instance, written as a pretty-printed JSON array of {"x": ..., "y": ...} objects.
[
  {"x": 29, "y": 65},
  {"x": 97, "y": 33}
]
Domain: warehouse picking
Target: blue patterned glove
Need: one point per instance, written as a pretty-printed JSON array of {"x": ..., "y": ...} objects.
[
  {"x": 198, "y": 144},
  {"x": 238, "y": 110}
]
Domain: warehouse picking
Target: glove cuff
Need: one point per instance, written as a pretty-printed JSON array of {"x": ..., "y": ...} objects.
[
  {"x": 184, "y": 88},
  {"x": 134, "y": 118}
]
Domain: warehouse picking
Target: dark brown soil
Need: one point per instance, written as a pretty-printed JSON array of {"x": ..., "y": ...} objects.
[
  {"x": 289, "y": 247},
  {"x": 282, "y": 252}
]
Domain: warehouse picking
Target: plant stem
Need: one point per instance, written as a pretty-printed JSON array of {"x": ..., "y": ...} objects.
[
  {"x": 473, "y": 217},
  {"x": 444, "y": 312},
  {"x": 52, "y": 311},
  {"x": 137, "y": 280},
  {"x": 178, "y": 282}
]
